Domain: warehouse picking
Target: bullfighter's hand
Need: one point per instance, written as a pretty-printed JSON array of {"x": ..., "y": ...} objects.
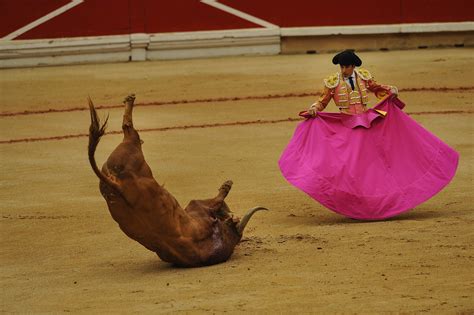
[
  {"x": 394, "y": 90},
  {"x": 312, "y": 109}
]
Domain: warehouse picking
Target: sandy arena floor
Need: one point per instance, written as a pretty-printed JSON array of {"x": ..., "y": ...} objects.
[{"x": 62, "y": 252}]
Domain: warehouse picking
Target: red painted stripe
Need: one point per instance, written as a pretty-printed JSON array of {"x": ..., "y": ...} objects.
[{"x": 218, "y": 99}]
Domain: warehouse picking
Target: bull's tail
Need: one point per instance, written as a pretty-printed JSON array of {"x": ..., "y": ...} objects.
[{"x": 96, "y": 131}]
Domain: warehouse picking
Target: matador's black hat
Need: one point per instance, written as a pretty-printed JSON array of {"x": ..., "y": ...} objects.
[{"x": 347, "y": 58}]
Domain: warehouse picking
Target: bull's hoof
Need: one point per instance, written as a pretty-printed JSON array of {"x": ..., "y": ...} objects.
[
  {"x": 129, "y": 99},
  {"x": 226, "y": 186}
]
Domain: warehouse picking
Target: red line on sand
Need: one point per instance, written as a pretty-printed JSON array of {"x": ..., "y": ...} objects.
[
  {"x": 159, "y": 103},
  {"x": 235, "y": 123},
  {"x": 219, "y": 99},
  {"x": 114, "y": 132}
]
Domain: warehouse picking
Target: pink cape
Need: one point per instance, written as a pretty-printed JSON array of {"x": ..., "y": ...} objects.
[{"x": 367, "y": 166}]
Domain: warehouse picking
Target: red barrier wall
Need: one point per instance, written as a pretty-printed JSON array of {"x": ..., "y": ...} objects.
[
  {"x": 90, "y": 18},
  {"x": 114, "y": 17},
  {"x": 306, "y": 13},
  {"x": 425, "y": 11},
  {"x": 16, "y": 14}
]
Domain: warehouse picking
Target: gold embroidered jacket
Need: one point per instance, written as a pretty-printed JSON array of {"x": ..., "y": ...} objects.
[{"x": 351, "y": 101}]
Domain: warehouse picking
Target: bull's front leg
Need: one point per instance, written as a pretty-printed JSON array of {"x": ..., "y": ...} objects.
[
  {"x": 215, "y": 207},
  {"x": 218, "y": 206}
]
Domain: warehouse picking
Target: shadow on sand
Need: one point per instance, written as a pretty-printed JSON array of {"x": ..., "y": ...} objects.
[{"x": 414, "y": 215}]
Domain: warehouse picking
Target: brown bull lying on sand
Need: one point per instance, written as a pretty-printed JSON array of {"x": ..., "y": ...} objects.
[{"x": 204, "y": 233}]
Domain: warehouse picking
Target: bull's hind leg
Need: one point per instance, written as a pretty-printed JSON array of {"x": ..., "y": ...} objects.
[
  {"x": 127, "y": 124},
  {"x": 224, "y": 191},
  {"x": 127, "y": 115}
]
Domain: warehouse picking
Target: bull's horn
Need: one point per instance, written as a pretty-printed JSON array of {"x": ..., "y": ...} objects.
[{"x": 241, "y": 225}]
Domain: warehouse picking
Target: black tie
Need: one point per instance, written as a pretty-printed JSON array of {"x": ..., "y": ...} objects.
[{"x": 352, "y": 83}]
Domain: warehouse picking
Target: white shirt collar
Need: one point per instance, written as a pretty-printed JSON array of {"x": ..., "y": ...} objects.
[{"x": 352, "y": 75}]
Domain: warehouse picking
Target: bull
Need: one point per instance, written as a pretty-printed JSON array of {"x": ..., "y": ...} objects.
[{"x": 204, "y": 233}]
